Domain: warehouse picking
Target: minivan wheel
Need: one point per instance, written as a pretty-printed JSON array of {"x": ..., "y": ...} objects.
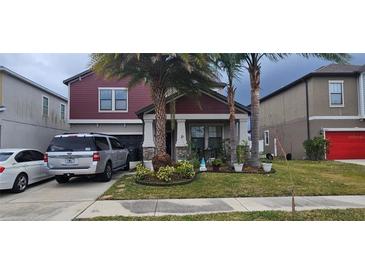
[
  {"x": 62, "y": 179},
  {"x": 20, "y": 184},
  {"x": 108, "y": 172}
]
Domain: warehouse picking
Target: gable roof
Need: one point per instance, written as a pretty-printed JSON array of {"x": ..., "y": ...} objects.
[
  {"x": 77, "y": 76},
  {"x": 329, "y": 70},
  {"x": 30, "y": 82},
  {"x": 174, "y": 96}
]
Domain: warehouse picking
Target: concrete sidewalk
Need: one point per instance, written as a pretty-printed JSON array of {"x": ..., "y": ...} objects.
[{"x": 159, "y": 207}]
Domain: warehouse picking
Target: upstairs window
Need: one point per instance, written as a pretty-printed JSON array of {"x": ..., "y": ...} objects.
[
  {"x": 63, "y": 112},
  {"x": 45, "y": 106},
  {"x": 113, "y": 99},
  {"x": 336, "y": 93}
]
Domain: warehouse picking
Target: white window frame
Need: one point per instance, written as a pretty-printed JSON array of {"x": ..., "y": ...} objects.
[
  {"x": 64, "y": 112},
  {"x": 113, "y": 99},
  {"x": 43, "y": 114},
  {"x": 268, "y": 137},
  {"x": 342, "y": 93},
  {"x": 206, "y": 131}
]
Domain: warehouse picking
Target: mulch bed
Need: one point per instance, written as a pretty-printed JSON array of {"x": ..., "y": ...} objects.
[
  {"x": 245, "y": 169},
  {"x": 154, "y": 182}
]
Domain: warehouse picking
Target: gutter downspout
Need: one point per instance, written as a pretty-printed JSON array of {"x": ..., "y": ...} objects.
[{"x": 307, "y": 108}]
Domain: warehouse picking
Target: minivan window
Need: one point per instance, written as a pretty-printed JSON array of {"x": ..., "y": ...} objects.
[
  {"x": 5, "y": 155},
  {"x": 71, "y": 143},
  {"x": 115, "y": 144},
  {"x": 101, "y": 143}
]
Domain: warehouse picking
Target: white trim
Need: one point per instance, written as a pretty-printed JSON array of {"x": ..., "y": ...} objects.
[
  {"x": 68, "y": 102},
  {"x": 105, "y": 121},
  {"x": 334, "y": 118},
  {"x": 121, "y": 133},
  {"x": 64, "y": 114},
  {"x": 204, "y": 116},
  {"x": 362, "y": 95},
  {"x": 343, "y": 129},
  {"x": 44, "y": 96},
  {"x": 113, "y": 89},
  {"x": 268, "y": 138},
  {"x": 342, "y": 93}
]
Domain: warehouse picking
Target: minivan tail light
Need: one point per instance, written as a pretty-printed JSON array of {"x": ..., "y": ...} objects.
[
  {"x": 2, "y": 169},
  {"x": 96, "y": 156},
  {"x": 45, "y": 158}
]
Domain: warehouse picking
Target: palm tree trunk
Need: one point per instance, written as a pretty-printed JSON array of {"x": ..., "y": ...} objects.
[
  {"x": 254, "y": 71},
  {"x": 159, "y": 100},
  {"x": 232, "y": 125}
]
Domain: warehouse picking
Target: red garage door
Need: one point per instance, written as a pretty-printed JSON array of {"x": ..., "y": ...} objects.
[{"x": 346, "y": 145}]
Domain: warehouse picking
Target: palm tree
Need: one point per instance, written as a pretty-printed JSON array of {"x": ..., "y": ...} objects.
[
  {"x": 163, "y": 73},
  {"x": 252, "y": 62},
  {"x": 231, "y": 65}
]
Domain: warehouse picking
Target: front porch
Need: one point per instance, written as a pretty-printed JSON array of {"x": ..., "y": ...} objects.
[{"x": 194, "y": 135}]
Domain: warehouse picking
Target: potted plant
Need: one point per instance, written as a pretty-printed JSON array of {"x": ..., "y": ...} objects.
[
  {"x": 241, "y": 155},
  {"x": 216, "y": 163},
  {"x": 267, "y": 165}
]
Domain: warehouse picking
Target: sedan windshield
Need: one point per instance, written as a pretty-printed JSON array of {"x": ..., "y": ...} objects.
[
  {"x": 71, "y": 143},
  {"x": 5, "y": 155}
]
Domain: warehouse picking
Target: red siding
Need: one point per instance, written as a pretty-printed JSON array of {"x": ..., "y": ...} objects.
[
  {"x": 199, "y": 104},
  {"x": 84, "y": 98}
]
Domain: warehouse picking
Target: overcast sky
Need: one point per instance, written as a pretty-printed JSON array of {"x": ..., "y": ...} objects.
[{"x": 50, "y": 70}]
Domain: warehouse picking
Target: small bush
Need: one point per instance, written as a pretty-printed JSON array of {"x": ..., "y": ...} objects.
[
  {"x": 165, "y": 173},
  {"x": 195, "y": 163},
  {"x": 184, "y": 170},
  {"x": 315, "y": 148},
  {"x": 217, "y": 162},
  {"x": 142, "y": 172}
]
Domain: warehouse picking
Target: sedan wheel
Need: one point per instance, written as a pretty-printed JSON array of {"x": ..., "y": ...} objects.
[{"x": 20, "y": 184}]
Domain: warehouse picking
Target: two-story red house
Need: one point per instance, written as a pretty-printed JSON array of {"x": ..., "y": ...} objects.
[{"x": 108, "y": 106}]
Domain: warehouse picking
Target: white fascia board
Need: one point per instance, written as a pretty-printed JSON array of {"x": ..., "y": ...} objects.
[
  {"x": 345, "y": 129},
  {"x": 105, "y": 121},
  {"x": 204, "y": 116},
  {"x": 334, "y": 118}
]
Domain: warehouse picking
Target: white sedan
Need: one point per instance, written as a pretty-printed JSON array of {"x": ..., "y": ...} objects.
[{"x": 20, "y": 168}]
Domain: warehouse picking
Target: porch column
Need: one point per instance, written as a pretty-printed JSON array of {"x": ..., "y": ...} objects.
[
  {"x": 148, "y": 142},
  {"x": 243, "y": 130},
  {"x": 181, "y": 144}
]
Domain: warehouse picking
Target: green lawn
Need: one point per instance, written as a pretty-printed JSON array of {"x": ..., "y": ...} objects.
[
  {"x": 313, "y": 215},
  {"x": 311, "y": 178}
]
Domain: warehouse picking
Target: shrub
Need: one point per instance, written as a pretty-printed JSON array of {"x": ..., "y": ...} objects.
[
  {"x": 195, "y": 163},
  {"x": 315, "y": 148},
  {"x": 165, "y": 173},
  {"x": 162, "y": 160},
  {"x": 242, "y": 152},
  {"x": 142, "y": 172},
  {"x": 217, "y": 162},
  {"x": 185, "y": 170}
]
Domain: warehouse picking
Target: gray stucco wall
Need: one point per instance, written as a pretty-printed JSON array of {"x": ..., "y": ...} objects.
[
  {"x": 284, "y": 116},
  {"x": 22, "y": 123},
  {"x": 318, "y": 92}
]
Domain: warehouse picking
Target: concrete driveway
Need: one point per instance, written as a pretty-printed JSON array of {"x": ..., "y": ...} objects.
[
  {"x": 357, "y": 162},
  {"x": 52, "y": 201}
]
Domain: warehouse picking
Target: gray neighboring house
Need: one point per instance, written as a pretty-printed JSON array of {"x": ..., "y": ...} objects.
[
  {"x": 328, "y": 101},
  {"x": 30, "y": 114}
]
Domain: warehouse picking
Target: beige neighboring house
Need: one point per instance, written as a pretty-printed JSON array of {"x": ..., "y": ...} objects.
[
  {"x": 30, "y": 114},
  {"x": 328, "y": 101}
]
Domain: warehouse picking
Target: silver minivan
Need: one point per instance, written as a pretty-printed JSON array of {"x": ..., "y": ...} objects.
[{"x": 85, "y": 154}]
